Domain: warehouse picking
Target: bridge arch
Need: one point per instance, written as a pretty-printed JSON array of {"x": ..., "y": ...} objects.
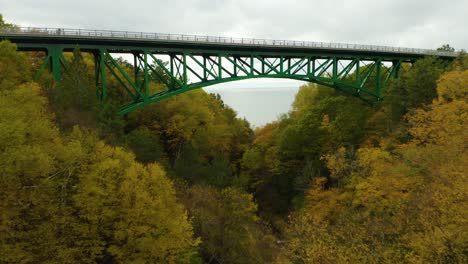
[{"x": 361, "y": 77}]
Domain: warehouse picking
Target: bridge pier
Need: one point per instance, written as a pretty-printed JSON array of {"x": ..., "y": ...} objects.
[
  {"x": 54, "y": 58},
  {"x": 100, "y": 74},
  {"x": 56, "y": 54}
]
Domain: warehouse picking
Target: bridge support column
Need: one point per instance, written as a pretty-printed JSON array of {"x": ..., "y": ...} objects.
[
  {"x": 100, "y": 74},
  {"x": 378, "y": 78},
  {"x": 136, "y": 68},
  {"x": 146, "y": 75},
  {"x": 335, "y": 69},
  {"x": 55, "y": 53},
  {"x": 397, "y": 66}
]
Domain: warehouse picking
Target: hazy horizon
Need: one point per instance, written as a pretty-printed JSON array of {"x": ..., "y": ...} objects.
[{"x": 259, "y": 105}]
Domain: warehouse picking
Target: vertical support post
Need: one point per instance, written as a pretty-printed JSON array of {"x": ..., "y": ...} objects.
[
  {"x": 205, "y": 73},
  {"x": 397, "y": 65},
  {"x": 313, "y": 67},
  {"x": 171, "y": 59},
  {"x": 281, "y": 65},
  {"x": 251, "y": 65},
  {"x": 335, "y": 69},
  {"x": 146, "y": 75},
  {"x": 235, "y": 66},
  {"x": 102, "y": 65},
  {"x": 263, "y": 66},
  {"x": 358, "y": 72},
  {"x": 135, "y": 69},
  {"x": 54, "y": 53},
  {"x": 378, "y": 76},
  {"x": 184, "y": 58},
  {"x": 220, "y": 69},
  {"x": 96, "y": 71}
]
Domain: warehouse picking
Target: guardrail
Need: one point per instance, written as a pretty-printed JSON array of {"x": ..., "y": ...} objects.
[{"x": 90, "y": 33}]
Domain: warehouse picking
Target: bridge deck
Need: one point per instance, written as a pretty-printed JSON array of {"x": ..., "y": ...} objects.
[{"x": 29, "y": 37}]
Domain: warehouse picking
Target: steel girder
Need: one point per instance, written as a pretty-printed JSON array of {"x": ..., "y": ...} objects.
[{"x": 189, "y": 69}]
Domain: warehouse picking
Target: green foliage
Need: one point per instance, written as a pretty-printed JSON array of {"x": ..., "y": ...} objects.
[
  {"x": 228, "y": 226},
  {"x": 446, "y": 47},
  {"x": 414, "y": 88},
  {"x": 75, "y": 93},
  {"x": 74, "y": 101},
  {"x": 202, "y": 138},
  {"x": 287, "y": 156},
  {"x": 461, "y": 62},
  {"x": 146, "y": 145},
  {"x": 6, "y": 26}
]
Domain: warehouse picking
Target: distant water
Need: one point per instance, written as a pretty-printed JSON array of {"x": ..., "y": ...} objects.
[{"x": 258, "y": 105}]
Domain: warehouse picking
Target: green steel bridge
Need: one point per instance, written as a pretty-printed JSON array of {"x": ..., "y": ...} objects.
[{"x": 189, "y": 62}]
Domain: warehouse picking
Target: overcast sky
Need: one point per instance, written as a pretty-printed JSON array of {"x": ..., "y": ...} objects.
[{"x": 409, "y": 23}]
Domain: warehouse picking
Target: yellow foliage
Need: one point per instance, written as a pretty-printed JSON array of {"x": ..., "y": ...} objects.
[
  {"x": 453, "y": 86},
  {"x": 69, "y": 199},
  {"x": 439, "y": 234},
  {"x": 265, "y": 133},
  {"x": 337, "y": 163},
  {"x": 228, "y": 225},
  {"x": 409, "y": 205},
  {"x": 14, "y": 66},
  {"x": 443, "y": 124},
  {"x": 322, "y": 204},
  {"x": 305, "y": 97}
]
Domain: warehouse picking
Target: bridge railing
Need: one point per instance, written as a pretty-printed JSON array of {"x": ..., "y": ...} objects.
[{"x": 90, "y": 33}]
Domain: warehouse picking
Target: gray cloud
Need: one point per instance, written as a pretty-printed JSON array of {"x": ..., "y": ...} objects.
[{"x": 423, "y": 24}]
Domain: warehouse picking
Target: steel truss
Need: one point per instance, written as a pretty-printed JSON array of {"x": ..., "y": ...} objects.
[{"x": 363, "y": 77}]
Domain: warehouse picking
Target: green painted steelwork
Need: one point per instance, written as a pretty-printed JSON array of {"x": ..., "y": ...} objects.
[{"x": 191, "y": 65}]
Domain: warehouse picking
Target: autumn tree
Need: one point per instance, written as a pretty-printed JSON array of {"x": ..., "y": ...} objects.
[
  {"x": 400, "y": 204},
  {"x": 6, "y": 26},
  {"x": 228, "y": 226},
  {"x": 446, "y": 47},
  {"x": 201, "y": 137},
  {"x": 70, "y": 198},
  {"x": 14, "y": 66},
  {"x": 414, "y": 87}
]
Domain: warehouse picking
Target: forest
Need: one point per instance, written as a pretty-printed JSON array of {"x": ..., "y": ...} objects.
[{"x": 185, "y": 180}]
